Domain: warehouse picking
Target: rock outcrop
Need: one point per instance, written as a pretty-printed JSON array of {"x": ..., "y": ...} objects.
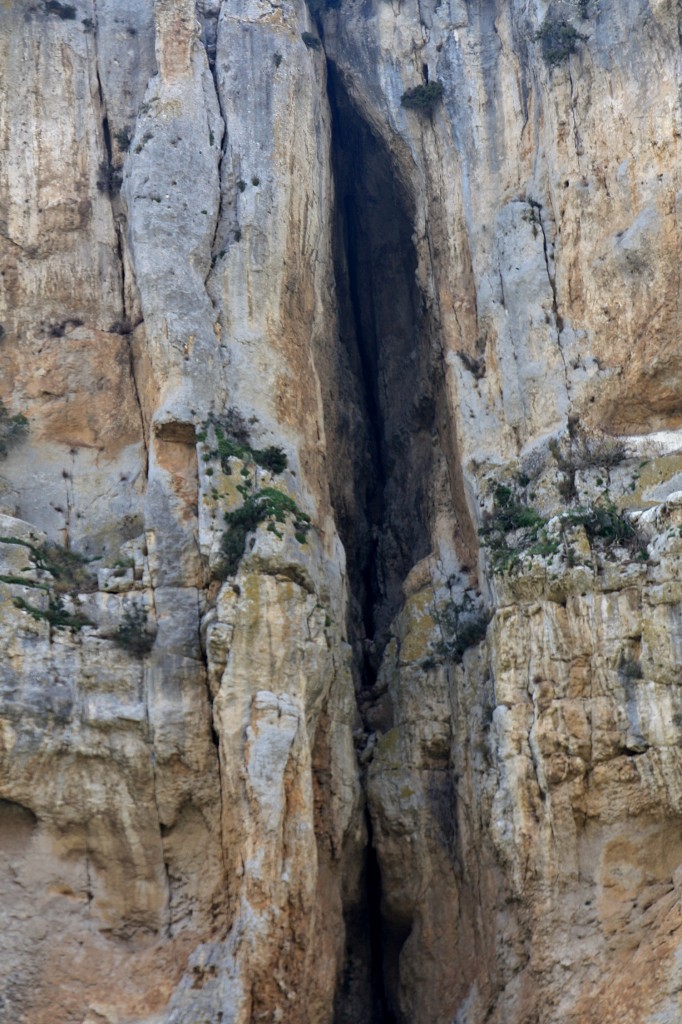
[{"x": 340, "y": 512}]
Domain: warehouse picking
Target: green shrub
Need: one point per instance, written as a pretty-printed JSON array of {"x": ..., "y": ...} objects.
[
  {"x": 134, "y": 635},
  {"x": 232, "y": 435},
  {"x": 605, "y": 523},
  {"x": 511, "y": 514},
  {"x": 123, "y": 139},
  {"x": 423, "y": 97},
  {"x": 70, "y": 570},
  {"x": 461, "y": 626},
  {"x": 56, "y": 614},
  {"x": 585, "y": 449},
  {"x": 267, "y": 504},
  {"x": 109, "y": 179},
  {"x": 12, "y": 430},
  {"x": 271, "y": 458},
  {"x": 65, "y": 11},
  {"x": 469, "y": 631},
  {"x": 559, "y": 40}
]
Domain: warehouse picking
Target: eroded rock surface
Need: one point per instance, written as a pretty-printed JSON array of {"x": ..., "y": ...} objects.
[{"x": 340, "y": 558}]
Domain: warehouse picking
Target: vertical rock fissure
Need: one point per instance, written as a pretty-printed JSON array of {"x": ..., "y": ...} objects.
[
  {"x": 381, "y": 414},
  {"x": 386, "y": 398}
]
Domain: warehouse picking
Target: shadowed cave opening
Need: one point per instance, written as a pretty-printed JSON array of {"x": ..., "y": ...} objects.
[
  {"x": 380, "y": 398},
  {"x": 385, "y": 408}
]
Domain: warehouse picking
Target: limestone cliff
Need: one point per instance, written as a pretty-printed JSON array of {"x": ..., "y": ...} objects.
[{"x": 340, "y": 512}]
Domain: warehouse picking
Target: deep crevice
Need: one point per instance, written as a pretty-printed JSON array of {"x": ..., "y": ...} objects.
[
  {"x": 383, "y": 402},
  {"x": 386, "y": 410}
]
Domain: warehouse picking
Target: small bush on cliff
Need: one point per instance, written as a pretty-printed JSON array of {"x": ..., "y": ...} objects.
[
  {"x": 311, "y": 41},
  {"x": 56, "y": 614},
  {"x": 559, "y": 40},
  {"x": 71, "y": 577},
  {"x": 109, "y": 179},
  {"x": 271, "y": 458},
  {"x": 65, "y": 11},
  {"x": 605, "y": 523},
  {"x": 134, "y": 635},
  {"x": 12, "y": 430},
  {"x": 70, "y": 570},
  {"x": 511, "y": 515},
  {"x": 232, "y": 436},
  {"x": 123, "y": 139},
  {"x": 422, "y": 98},
  {"x": 584, "y": 449},
  {"x": 268, "y": 504},
  {"x": 462, "y": 626}
]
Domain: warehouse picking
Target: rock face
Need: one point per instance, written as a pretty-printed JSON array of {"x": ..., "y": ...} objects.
[{"x": 340, "y": 512}]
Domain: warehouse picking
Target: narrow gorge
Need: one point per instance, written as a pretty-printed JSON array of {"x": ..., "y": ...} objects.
[{"x": 340, "y": 512}]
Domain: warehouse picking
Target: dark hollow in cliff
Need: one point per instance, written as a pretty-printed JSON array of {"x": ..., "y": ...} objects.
[
  {"x": 386, "y": 406},
  {"x": 382, "y": 388}
]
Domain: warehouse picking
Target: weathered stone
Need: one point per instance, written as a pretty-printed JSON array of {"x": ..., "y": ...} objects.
[{"x": 194, "y": 714}]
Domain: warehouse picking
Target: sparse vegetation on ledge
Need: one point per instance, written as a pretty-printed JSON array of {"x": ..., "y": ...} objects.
[
  {"x": 311, "y": 41},
  {"x": 70, "y": 577},
  {"x": 232, "y": 437},
  {"x": 134, "y": 634},
  {"x": 462, "y": 626},
  {"x": 267, "y": 504},
  {"x": 56, "y": 614},
  {"x": 515, "y": 531},
  {"x": 65, "y": 11},
  {"x": 558, "y": 39},
  {"x": 12, "y": 430},
  {"x": 422, "y": 98}
]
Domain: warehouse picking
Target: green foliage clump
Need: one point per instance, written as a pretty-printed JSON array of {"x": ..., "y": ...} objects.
[
  {"x": 232, "y": 438},
  {"x": 584, "y": 449},
  {"x": 271, "y": 458},
  {"x": 109, "y": 179},
  {"x": 56, "y": 614},
  {"x": 269, "y": 504},
  {"x": 462, "y": 626},
  {"x": 558, "y": 39},
  {"x": 133, "y": 634},
  {"x": 65, "y": 11},
  {"x": 21, "y": 581},
  {"x": 69, "y": 569},
  {"x": 311, "y": 41},
  {"x": 422, "y": 98},
  {"x": 70, "y": 576},
  {"x": 509, "y": 515},
  {"x": 123, "y": 139},
  {"x": 12, "y": 430},
  {"x": 606, "y": 524}
]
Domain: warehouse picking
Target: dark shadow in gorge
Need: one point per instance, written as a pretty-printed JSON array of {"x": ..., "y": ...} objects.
[
  {"x": 386, "y": 408},
  {"x": 381, "y": 386}
]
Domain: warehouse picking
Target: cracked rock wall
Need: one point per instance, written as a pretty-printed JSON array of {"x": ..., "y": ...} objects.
[{"x": 182, "y": 812}]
